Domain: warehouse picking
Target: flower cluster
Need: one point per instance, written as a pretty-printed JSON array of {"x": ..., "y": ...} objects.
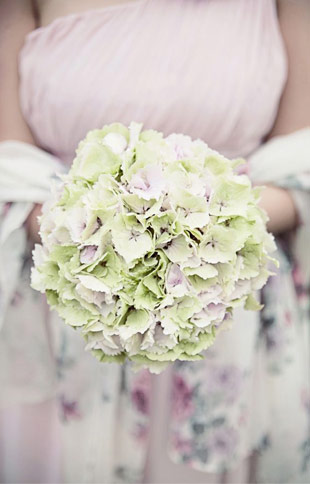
[{"x": 149, "y": 244}]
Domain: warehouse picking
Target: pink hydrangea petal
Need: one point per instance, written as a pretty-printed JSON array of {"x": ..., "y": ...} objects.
[{"x": 88, "y": 254}]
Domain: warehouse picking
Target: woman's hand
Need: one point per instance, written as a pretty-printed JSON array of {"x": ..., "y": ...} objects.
[
  {"x": 280, "y": 208},
  {"x": 32, "y": 224}
]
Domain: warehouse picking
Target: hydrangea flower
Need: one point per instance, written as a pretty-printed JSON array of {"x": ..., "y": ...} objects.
[{"x": 149, "y": 244}]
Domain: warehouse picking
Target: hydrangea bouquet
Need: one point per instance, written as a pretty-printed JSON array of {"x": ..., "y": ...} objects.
[{"x": 148, "y": 245}]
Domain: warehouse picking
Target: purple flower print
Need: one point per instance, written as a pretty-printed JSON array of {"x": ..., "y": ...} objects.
[
  {"x": 140, "y": 400},
  {"x": 225, "y": 381},
  {"x": 305, "y": 399},
  {"x": 223, "y": 441},
  {"x": 181, "y": 445},
  {"x": 297, "y": 275},
  {"x": 17, "y": 299},
  {"x": 141, "y": 433},
  {"x": 6, "y": 207},
  {"x": 275, "y": 338},
  {"x": 69, "y": 409},
  {"x": 243, "y": 418},
  {"x": 299, "y": 282},
  {"x": 141, "y": 392},
  {"x": 288, "y": 318},
  {"x": 182, "y": 401}
]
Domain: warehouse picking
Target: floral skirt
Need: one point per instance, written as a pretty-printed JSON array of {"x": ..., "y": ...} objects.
[{"x": 64, "y": 413}]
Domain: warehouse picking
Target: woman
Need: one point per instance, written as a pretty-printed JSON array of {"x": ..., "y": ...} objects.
[{"x": 212, "y": 69}]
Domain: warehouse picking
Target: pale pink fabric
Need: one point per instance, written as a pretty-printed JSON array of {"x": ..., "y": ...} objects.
[{"x": 135, "y": 62}]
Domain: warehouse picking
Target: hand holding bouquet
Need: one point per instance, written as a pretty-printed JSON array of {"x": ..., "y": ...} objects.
[{"x": 149, "y": 244}]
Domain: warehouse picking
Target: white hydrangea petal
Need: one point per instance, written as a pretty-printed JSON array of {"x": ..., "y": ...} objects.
[
  {"x": 116, "y": 142},
  {"x": 176, "y": 282},
  {"x": 93, "y": 283}
]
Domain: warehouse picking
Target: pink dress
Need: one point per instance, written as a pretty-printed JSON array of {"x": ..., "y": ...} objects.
[{"x": 213, "y": 69}]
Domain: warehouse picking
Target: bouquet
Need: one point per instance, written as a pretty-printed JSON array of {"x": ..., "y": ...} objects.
[{"x": 149, "y": 243}]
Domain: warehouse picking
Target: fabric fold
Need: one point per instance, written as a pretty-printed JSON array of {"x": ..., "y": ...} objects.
[
  {"x": 26, "y": 174},
  {"x": 284, "y": 161}
]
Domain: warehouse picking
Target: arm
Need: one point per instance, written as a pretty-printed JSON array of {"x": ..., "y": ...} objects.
[
  {"x": 16, "y": 20},
  {"x": 294, "y": 109}
]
